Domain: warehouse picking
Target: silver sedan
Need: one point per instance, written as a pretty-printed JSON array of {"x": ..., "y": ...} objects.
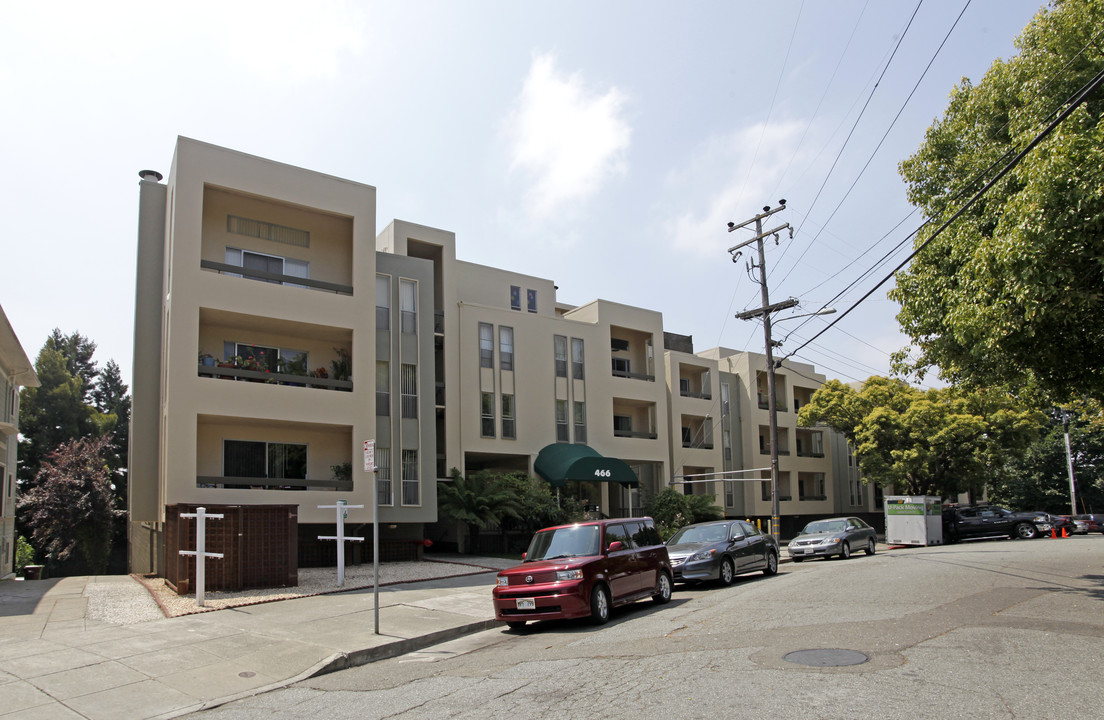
[{"x": 833, "y": 536}]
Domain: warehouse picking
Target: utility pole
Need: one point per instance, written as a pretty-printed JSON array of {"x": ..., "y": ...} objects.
[
  {"x": 765, "y": 311},
  {"x": 1069, "y": 464}
]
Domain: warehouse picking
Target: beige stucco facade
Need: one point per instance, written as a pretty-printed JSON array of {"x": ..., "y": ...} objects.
[
  {"x": 451, "y": 365},
  {"x": 16, "y": 371}
]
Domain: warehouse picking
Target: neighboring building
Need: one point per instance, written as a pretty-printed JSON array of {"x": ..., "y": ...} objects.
[
  {"x": 442, "y": 363},
  {"x": 15, "y": 371}
]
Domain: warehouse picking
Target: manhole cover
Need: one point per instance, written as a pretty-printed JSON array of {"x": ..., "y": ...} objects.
[
  {"x": 826, "y": 657},
  {"x": 246, "y": 674}
]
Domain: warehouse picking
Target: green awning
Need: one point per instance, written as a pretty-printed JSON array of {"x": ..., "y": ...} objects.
[{"x": 561, "y": 462}]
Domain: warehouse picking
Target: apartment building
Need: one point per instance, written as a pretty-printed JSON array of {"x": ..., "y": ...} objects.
[
  {"x": 276, "y": 332},
  {"x": 16, "y": 371}
]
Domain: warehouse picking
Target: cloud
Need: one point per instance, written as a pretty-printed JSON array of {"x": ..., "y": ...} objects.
[
  {"x": 568, "y": 139},
  {"x": 735, "y": 174}
]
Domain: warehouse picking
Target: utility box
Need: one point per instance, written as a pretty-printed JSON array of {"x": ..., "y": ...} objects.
[{"x": 913, "y": 520}]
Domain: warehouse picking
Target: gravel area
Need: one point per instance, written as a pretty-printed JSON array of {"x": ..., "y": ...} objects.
[{"x": 146, "y": 599}]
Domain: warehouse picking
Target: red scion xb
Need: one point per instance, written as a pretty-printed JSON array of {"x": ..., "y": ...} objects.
[{"x": 585, "y": 569}]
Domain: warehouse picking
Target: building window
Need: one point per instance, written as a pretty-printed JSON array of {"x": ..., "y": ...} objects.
[
  {"x": 383, "y": 388},
  {"x": 810, "y": 486},
  {"x": 621, "y": 367},
  {"x": 506, "y": 348},
  {"x": 267, "y": 231},
  {"x": 486, "y": 415},
  {"x": 577, "y": 358},
  {"x": 515, "y": 297},
  {"x": 531, "y": 296},
  {"x": 410, "y": 485},
  {"x": 408, "y": 306},
  {"x": 580, "y": 422},
  {"x": 730, "y": 493},
  {"x": 561, "y": 421},
  {"x": 509, "y": 428},
  {"x": 253, "y": 459},
  {"x": 856, "y": 491},
  {"x": 268, "y": 268},
  {"x": 622, "y": 426},
  {"x": 486, "y": 345},
  {"x": 383, "y": 476},
  {"x": 408, "y": 381},
  {"x": 559, "y": 343},
  {"x": 383, "y": 302}
]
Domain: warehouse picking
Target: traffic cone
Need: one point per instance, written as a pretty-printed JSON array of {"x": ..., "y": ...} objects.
[
  {"x": 1053, "y": 533},
  {"x": 1065, "y": 533}
]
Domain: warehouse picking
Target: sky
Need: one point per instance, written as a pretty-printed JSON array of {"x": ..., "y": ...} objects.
[{"x": 602, "y": 145}]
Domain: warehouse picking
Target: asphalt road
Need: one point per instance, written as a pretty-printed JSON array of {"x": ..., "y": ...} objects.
[{"x": 993, "y": 629}]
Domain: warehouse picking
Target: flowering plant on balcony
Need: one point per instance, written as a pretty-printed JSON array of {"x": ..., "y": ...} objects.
[{"x": 320, "y": 373}]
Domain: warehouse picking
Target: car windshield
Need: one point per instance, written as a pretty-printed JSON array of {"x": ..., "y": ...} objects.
[
  {"x": 824, "y": 526},
  {"x": 565, "y": 542},
  {"x": 702, "y": 534}
]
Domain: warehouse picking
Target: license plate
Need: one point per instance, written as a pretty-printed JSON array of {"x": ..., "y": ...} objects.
[
  {"x": 526, "y": 604},
  {"x": 798, "y": 552}
]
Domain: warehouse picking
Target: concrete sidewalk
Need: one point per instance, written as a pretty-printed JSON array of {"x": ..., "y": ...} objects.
[{"x": 56, "y": 662}]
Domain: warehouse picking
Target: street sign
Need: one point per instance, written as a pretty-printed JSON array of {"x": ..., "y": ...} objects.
[{"x": 369, "y": 455}]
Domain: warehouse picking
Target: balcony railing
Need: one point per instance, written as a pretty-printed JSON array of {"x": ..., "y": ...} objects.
[
  {"x": 632, "y": 434},
  {"x": 255, "y": 483},
  {"x": 704, "y": 395},
  {"x": 701, "y": 445},
  {"x": 809, "y": 454},
  {"x": 228, "y": 372},
  {"x": 632, "y": 375},
  {"x": 226, "y": 268},
  {"x": 765, "y": 450}
]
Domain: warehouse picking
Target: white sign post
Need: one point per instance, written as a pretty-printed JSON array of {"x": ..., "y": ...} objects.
[
  {"x": 370, "y": 467},
  {"x": 341, "y": 537},
  {"x": 200, "y": 552}
]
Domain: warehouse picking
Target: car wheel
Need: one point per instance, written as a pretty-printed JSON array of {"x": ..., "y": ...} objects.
[
  {"x": 845, "y": 550},
  {"x": 1025, "y": 531},
  {"x": 599, "y": 605},
  {"x": 515, "y": 624},
  {"x": 663, "y": 596},
  {"x": 870, "y": 546},
  {"x": 728, "y": 573},
  {"x": 772, "y": 563}
]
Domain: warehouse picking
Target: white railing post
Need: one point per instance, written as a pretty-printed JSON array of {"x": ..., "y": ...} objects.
[
  {"x": 200, "y": 552},
  {"x": 341, "y": 537}
]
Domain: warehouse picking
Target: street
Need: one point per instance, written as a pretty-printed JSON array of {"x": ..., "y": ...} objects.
[{"x": 992, "y": 629}]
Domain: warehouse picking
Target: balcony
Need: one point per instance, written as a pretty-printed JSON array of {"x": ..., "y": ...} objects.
[
  {"x": 698, "y": 444},
  {"x": 632, "y": 434},
  {"x": 257, "y": 483},
  {"x": 238, "y": 271},
  {"x": 228, "y": 371}
]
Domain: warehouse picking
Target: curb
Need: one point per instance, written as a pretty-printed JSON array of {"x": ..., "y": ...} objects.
[{"x": 343, "y": 661}]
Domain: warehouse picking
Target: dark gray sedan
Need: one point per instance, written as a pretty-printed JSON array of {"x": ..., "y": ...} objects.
[
  {"x": 721, "y": 550},
  {"x": 833, "y": 536}
]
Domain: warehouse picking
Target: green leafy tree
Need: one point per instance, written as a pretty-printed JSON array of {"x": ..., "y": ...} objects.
[
  {"x": 1038, "y": 479},
  {"x": 934, "y": 442},
  {"x": 539, "y": 507},
  {"x": 1010, "y": 294},
  {"x": 77, "y": 351},
  {"x": 51, "y": 414},
  {"x": 481, "y": 500},
  {"x": 70, "y": 511}
]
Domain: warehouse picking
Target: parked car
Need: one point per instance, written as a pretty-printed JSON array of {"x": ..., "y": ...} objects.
[
  {"x": 1095, "y": 522},
  {"x": 967, "y": 522},
  {"x": 1080, "y": 527},
  {"x": 585, "y": 569},
  {"x": 1058, "y": 523},
  {"x": 720, "y": 551},
  {"x": 834, "y": 536}
]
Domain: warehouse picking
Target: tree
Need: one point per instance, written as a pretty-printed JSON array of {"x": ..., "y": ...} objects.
[
  {"x": 481, "y": 500},
  {"x": 1010, "y": 294},
  {"x": 110, "y": 398},
  {"x": 77, "y": 351},
  {"x": 70, "y": 510},
  {"x": 51, "y": 414},
  {"x": 934, "y": 442},
  {"x": 672, "y": 510},
  {"x": 1038, "y": 479}
]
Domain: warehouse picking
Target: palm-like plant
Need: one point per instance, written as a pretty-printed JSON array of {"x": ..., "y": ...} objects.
[{"x": 480, "y": 500}]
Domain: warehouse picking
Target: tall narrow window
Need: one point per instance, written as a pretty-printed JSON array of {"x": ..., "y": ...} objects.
[
  {"x": 408, "y": 306},
  {"x": 532, "y": 299},
  {"x": 383, "y": 302},
  {"x": 509, "y": 428},
  {"x": 383, "y": 388},
  {"x": 515, "y": 297},
  {"x": 561, "y": 421},
  {"x": 486, "y": 414},
  {"x": 486, "y": 345},
  {"x": 580, "y": 422},
  {"x": 559, "y": 343},
  {"x": 410, "y": 484},
  {"x": 408, "y": 382},
  {"x": 577, "y": 358},
  {"x": 506, "y": 348},
  {"x": 383, "y": 476}
]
